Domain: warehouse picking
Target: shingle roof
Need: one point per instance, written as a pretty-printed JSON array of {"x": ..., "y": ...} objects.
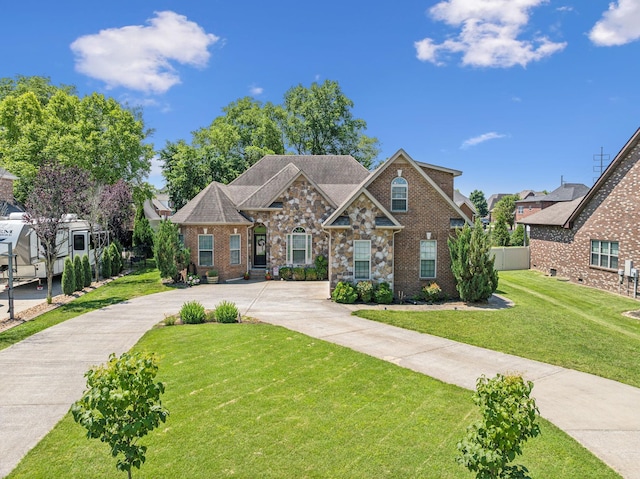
[
  {"x": 459, "y": 199},
  {"x": 493, "y": 199},
  {"x": 565, "y": 192},
  {"x": 211, "y": 206},
  {"x": 554, "y": 215},
  {"x": 265, "y": 194}
]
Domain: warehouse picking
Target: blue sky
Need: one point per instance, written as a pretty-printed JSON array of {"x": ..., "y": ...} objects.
[{"x": 515, "y": 93}]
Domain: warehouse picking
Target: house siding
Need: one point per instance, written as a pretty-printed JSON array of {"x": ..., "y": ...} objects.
[{"x": 6, "y": 190}]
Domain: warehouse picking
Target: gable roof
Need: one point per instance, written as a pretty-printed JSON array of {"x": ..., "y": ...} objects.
[
  {"x": 565, "y": 192},
  {"x": 334, "y": 221},
  {"x": 460, "y": 200},
  {"x": 211, "y": 206},
  {"x": 493, "y": 199},
  {"x": 606, "y": 174},
  {"x": 554, "y": 215}
]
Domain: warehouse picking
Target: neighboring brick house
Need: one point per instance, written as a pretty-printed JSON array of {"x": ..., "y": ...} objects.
[
  {"x": 588, "y": 240},
  {"x": 533, "y": 204},
  {"x": 391, "y": 224},
  {"x": 465, "y": 205}
]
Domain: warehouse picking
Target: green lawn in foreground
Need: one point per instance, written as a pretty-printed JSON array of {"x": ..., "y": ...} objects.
[
  {"x": 553, "y": 321},
  {"x": 138, "y": 283},
  {"x": 259, "y": 401}
]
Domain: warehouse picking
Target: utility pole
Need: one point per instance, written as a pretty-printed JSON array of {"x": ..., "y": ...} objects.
[{"x": 600, "y": 160}]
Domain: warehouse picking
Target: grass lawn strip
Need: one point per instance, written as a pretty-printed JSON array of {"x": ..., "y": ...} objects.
[
  {"x": 138, "y": 283},
  {"x": 255, "y": 400},
  {"x": 553, "y": 321}
]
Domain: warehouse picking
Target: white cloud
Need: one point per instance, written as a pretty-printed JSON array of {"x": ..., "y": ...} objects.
[
  {"x": 140, "y": 57},
  {"x": 618, "y": 25},
  {"x": 476, "y": 140},
  {"x": 256, "y": 90},
  {"x": 565, "y": 9},
  {"x": 489, "y": 33}
]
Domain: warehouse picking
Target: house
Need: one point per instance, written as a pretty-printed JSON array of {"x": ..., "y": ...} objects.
[
  {"x": 535, "y": 203},
  {"x": 465, "y": 204},
  {"x": 589, "y": 240},
  {"x": 390, "y": 225},
  {"x": 8, "y": 203},
  {"x": 157, "y": 209}
]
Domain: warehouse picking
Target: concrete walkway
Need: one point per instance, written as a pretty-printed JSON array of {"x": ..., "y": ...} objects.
[{"x": 42, "y": 376}]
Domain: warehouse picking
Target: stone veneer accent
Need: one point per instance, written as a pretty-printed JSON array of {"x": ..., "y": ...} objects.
[
  {"x": 6, "y": 190},
  {"x": 613, "y": 214},
  {"x": 362, "y": 214}
]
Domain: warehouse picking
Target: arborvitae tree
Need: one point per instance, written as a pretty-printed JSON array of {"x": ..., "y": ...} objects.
[
  {"x": 472, "y": 265},
  {"x": 142, "y": 233},
  {"x": 86, "y": 271},
  {"x": 167, "y": 247},
  {"x": 116, "y": 259},
  {"x": 517, "y": 238},
  {"x": 78, "y": 273},
  {"x": 500, "y": 235},
  {"x": 106, "y": 264},
  {"x": 68, "y": 277}
]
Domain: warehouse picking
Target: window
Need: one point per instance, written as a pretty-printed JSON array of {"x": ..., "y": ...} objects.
[
  {"x": 399, "y": 189},
  {"x": 298, "y": 247},
  {"x": 234, "y": 249},
  {"x": 428, "y": 250},
  {"x": 78, "y": 242},
  {"x": 521, "y": 209},
  {"x": 361, "y": 260},
  {"x": 205, "y": 250},
  {"x": 604, "y": 254},
  {"x": 181, "y": 239}
]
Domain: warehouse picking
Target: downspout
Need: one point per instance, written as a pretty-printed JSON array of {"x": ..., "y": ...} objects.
[{"x": 248, "y": 243}]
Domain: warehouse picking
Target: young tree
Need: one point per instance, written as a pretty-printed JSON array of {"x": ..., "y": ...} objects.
[
  {"x": 167, "y": 249},
  {"x": 78, "y": 273},
  {"x": 518, "y": 236},
  {"x": 68, "y": 277},
  {"x": 471, "y": 264},
  {"x": 86, "y": 271},
  {"x": 506, "y": 208},
  {"x": 58, "y": 190},
  {"x": 508, "y": 419},
  {"x": 106, "y": 263},
  {"x": 121, "y": 405},
  {"x": 480, "y": 202},
  {"x": 143, "y": 236},
  {"x": 500, "y": 234}
]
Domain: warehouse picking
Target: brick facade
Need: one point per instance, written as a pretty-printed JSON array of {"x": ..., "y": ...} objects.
[{"x": 610, "y": 213}]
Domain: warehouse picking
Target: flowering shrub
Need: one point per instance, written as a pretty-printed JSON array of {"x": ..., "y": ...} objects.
[
  {"x": 432, "y": 293},
  {"x": 192, "y": 279},
  {"x": 365, "y": 291}
]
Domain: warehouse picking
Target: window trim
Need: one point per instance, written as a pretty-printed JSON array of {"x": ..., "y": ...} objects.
[
  {"x": 400, "y": 183},
  {"x": 203, "y": 250},
  {"x": 356, "y": 260},
  {"x": 600, "y": 255},
  {"x": 434, "y": 259},
  {"x": 299, "y": 231},
  {"x": 238, "y": 249}
]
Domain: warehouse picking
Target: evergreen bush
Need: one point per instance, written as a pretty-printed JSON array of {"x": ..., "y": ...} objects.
[
  {"x": 226, "y": 312},
  {"x": 68, "y": 277},
  {"x": 86, "y": 271},
  {"x": 192, "y": 312},
  {"x": 298, "y": 273},
  {"x": 311, "y": 274},
  {"x": 344, "y": 293},
  {"x": 78, "y": 273},
  {"x": 106, "y": 264}
]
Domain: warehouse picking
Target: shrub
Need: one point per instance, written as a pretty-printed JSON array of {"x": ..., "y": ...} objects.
[
  {"x": 344, "y": 293},
  {"x": 285, "y": 273},
  {"x": 210, "y": 317},
  {"x": 106, "y": 264},
  {"x": 192, "y": 279},
  {"x": 432, "y": 293},
  {"x": 78, "y": 273},
  {"x": 226, "y": 312},
  {"x": 192, "y": 312},
  {"x": 365, "y": 291},
  {"x": 383, "y": 295},
  {"x": 116, "y": 259},
  {"x": 321, "y": 267},
  {"x": 86, "y": 271},
  {"x": 68, "y": 277},
  {"x": 311, "y": 274},
  {"x": 169, "y": 320},
  {"x": 212, "y": 273},
  {"x": 298, "y": 273}
]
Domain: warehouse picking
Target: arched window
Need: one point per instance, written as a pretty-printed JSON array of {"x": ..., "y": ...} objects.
[
  {"x": 399, "y": 194},
  {"x": 298, "y": 247}
]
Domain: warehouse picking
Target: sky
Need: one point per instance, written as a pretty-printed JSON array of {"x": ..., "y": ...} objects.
[{"x": 517, "y": 94}]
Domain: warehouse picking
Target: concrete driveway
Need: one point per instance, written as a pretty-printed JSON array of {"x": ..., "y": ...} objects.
[{"x": 43, "y": 375}]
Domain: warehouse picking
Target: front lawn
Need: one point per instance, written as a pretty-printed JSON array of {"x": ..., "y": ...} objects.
[
  {"x": 254, "y": 400},
  {"x": 139, "y": 282},
  {"x": 553, "y": 321}
]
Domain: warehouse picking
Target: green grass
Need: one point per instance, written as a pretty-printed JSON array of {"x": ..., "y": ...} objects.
[
  {"x": 138, "y": 283},
  {"x": 553, "y": 321},
  {"x": 259, "y": 401}
]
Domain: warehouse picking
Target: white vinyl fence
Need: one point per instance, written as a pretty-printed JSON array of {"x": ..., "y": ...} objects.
[{"x": 511, "y": 257}]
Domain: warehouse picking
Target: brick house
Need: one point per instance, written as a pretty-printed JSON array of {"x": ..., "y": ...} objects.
[
  {"x": 535, "y": 203},
  {"x": 588, "y": 240},
  {"x": 391, "y": 224},
  {"x": 465, "y": 204}
]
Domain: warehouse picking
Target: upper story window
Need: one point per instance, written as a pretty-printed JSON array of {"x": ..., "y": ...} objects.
[
  {"x": 399, "y": 194},
  {"x": 604, "y": 254},
  {"x": 521, "y": 209}
]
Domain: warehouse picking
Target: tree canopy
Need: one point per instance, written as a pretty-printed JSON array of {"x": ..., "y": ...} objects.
[
  {"x": 40, "y": 122},
  {"x": 480, "y": 202},
  {"x": 506, "y": 209}
]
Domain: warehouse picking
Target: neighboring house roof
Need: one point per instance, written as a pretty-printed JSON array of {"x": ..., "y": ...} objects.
[
  {"x": 493, "y": 199},
  {"x": 554, "y": 215},
  {"x": 150, "y": 212},
  {"x": 565, "y": 192},
  {"x": 211, "y": 206},
  {"x": 622, "y": 154},
  {"x": 5, "y": 174},
  {"x": 460, "y": 200}
]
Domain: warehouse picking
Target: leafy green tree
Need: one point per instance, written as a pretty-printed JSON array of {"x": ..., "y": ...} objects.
[
  {"x": 167, "y": 249},
  {"x": 319, "y": 121},
  {"x": 480, "y": 202},
  {"x": 39, "y": 121},
  {"x": 500, "y": 234},
  {"x": 143, "y": 236},
  {"x": 508, "y": 419},
  {"x": 472, "y": 265},
  {"x": 86, "y": 271},
  {"x": 518, "y": 236},
  {"x": 78, "y": 273},
  {"x": 122, "y": 405},
  {"x": 506, "y": 208},
  {"x": 68, "y": 277}
]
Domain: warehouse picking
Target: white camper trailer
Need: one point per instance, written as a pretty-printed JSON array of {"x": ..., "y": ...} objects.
[{"x": 73, "y": 238}]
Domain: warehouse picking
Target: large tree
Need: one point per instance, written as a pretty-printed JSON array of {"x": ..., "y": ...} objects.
[
  {"x": 58, "y": 190},
  {"x": 319, "y": 121},
  {"x": 480, "y": 202},
  {"x": 505, "y": 209},
  {"x": 39, "y": 121}
]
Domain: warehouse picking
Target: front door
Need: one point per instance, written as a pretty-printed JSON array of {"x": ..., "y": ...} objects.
[{"x": 259, "y": 248}]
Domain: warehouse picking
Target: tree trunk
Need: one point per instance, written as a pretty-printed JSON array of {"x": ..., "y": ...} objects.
[{"x": 49, "y": 265}]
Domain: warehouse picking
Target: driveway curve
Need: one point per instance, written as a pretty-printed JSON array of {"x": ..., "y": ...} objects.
[{"x": 43, "y": 375}]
